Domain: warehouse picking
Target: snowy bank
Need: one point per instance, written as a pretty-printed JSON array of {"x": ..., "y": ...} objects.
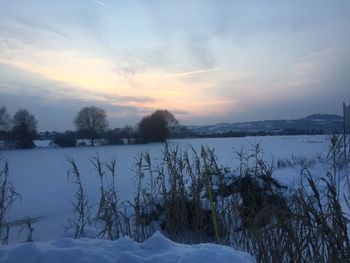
[{"x": 155, "y": 249}]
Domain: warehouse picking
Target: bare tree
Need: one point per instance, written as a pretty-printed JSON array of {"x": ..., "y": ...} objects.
[
  {"x": 4, "y": 119},
  {"x": 91, "y": 122},
  {"x": 24, "y": 129},
  {"x": 127, "y": 132}
]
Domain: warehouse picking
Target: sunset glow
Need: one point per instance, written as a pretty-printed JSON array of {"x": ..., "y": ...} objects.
[{"x": 225, "y": 61}]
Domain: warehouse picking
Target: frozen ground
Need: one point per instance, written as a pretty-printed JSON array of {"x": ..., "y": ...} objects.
[
  {"x": 156, "y": 249},
  {"x": 40, "y": 174}
]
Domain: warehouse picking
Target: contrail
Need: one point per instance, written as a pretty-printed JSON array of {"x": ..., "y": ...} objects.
[
  {"x": 194, "y": 72},
  {"x": 100, "y": 2}
]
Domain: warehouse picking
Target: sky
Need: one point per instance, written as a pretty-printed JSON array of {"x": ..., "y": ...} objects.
[{"x": 205, "y": 61}]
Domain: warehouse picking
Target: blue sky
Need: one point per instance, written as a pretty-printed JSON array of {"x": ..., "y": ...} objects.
[{"x": 206, "y": 61}]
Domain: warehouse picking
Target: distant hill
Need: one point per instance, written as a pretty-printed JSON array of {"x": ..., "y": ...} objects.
[{"x": 326, "y": 122}]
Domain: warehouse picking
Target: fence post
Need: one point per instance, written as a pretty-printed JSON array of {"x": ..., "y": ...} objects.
[{"x": 345, "y": 128}]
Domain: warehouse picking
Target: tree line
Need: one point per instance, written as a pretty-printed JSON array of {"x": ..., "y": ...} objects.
[{"x": 19, "y": 131}]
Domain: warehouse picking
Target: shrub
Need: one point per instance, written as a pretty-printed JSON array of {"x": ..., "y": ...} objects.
[
  {"x": 157, "y": 126},
  {"x": 66, "y": 139}
]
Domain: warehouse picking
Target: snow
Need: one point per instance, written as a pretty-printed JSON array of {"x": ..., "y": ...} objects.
[
  {"x": 156, "y": 249},
  {"x": 42, "y": 143},
  {"x": 40, "y": 175}
]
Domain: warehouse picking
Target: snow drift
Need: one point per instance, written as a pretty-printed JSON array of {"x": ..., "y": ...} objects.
[{"x": 155, "y": 249}]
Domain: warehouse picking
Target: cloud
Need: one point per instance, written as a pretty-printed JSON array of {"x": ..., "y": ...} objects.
[
  {"x": 180, "y": 112},
  {"x": 194, "y": 72},
  {"x": 100, "y": 2},
  {"x": 40, "y": 26},
  {"x": 313, "y": 69}
]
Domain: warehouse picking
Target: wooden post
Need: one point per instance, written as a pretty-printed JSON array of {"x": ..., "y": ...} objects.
[{"x": 345, "y": 128}]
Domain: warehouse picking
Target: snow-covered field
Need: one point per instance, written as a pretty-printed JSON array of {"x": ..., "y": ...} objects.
[{"x": 40, "y": 175}]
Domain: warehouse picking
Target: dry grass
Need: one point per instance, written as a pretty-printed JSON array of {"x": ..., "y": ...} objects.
[
  {"x": 8, "y": 196},
  {"x": 193, "y": 199}
]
